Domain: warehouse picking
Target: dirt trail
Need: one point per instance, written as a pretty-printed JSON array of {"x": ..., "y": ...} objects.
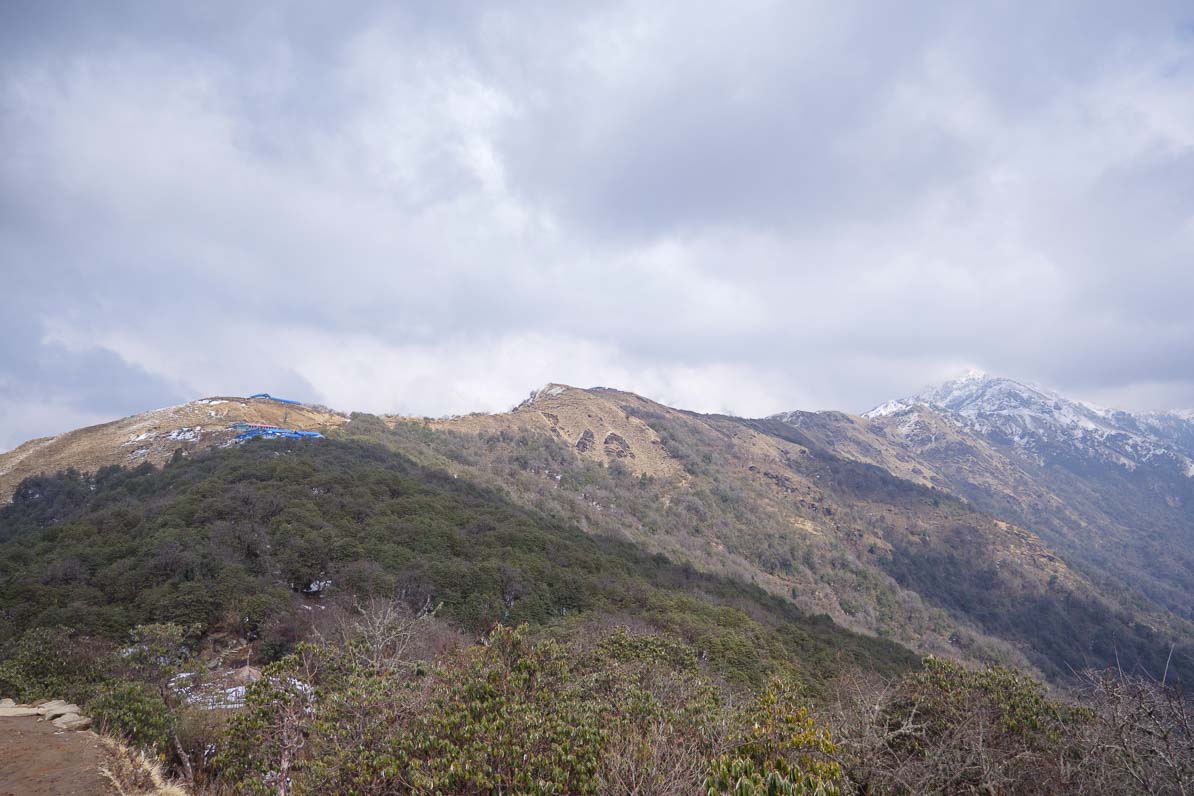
[{"x": 38, "y": 760}]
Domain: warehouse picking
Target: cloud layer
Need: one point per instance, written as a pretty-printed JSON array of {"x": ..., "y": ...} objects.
[{"x": 429, "y": 208}]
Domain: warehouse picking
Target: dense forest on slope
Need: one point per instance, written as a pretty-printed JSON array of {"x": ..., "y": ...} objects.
[{"x": 244, "y": 539}]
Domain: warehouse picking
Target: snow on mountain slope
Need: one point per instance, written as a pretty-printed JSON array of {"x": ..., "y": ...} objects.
[{"x": 1046, "y": 426}]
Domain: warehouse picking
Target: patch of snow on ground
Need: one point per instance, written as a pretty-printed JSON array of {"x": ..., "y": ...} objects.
[
  {"x": 910, "y": 425},
  {"x": 216, "y": 698},
  {"x": 546, "y": 391},
  {"x": 316, "y": 586}
]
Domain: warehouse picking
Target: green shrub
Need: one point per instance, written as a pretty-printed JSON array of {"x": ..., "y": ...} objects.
[
  {"x": 944, "y": 694},
  {"x": 507, "y": 718},
  {"x": 783, "y": 751},
  {"x": 512, "y": 715},
  {"x": 135, "y": 712},
  {"x": 49, "y": 663}
]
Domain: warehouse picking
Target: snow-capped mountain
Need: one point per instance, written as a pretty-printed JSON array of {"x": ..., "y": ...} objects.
[{"x": 1045, "y": 425}]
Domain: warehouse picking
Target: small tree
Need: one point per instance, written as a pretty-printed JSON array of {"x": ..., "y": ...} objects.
[
  {"x": 136, "y": 712},
  {"x": 265, "y": 741},
  {"x": 506, "y": 718},
  {"x": 162, "y": 656}
]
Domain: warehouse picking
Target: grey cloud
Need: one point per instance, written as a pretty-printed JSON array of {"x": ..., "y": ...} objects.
[
  {"x": 433, "y": 208},
  {"x": 89, "y": 384}
]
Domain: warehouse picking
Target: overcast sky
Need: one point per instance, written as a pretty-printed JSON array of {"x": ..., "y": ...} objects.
[{"x": 434, "y": 207}]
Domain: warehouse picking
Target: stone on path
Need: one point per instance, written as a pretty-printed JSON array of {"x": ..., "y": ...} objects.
[
  {"x": 18, "y": 711},
  {"x": 51, "y": 712},
  {"x": 62, "y": 714},
  {"x": 72, "y": 721}
]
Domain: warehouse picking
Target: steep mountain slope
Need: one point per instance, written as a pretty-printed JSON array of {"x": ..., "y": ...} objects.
[
  {"x": 709, "y": 491},
  {"x": 1047, "y": 427},
  {"x": 597, "y": 424},
  {"x": 1110, "y": 490},
  {"x": 819, "y": 517},
  {"x": 911, "y": 525},
  {"x": 154, "y": 436}
]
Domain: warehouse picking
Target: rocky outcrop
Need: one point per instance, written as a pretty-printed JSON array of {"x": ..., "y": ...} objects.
[
  {"x": 617, "y": 447},
  {"x": 63, "y": 715}
]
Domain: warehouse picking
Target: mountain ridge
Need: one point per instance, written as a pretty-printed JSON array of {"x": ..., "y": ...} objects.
[
  {"x": 910, "y": 525},
  {"x": 1034, "y": 418}
]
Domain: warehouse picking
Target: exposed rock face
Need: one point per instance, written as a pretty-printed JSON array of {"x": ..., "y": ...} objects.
[
  {"x": 246, "y": 675},
  {"x": 586, "y": 442},
  {"x": 616, "y": 447},
  {"x": 17, "y": 711},
  {"x": 55, "y": 709}
]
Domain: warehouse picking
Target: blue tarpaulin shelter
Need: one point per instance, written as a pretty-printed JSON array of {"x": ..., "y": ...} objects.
[
  {"x": 251, "y": 430},
  {"x": 269, "y": 397}
]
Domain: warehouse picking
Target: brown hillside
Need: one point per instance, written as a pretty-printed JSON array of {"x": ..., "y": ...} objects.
[
  {"x": 797, "y": 513},
  {"x": 595, "y": 423},
  {"x": 154, "y": 436}
]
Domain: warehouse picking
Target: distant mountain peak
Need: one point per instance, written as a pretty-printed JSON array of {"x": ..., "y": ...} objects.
[
  {"x": 1046, "y": 424},
  {"x": 978, "y": 392}
]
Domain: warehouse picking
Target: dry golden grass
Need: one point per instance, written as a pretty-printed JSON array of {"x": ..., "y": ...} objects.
[
  {"x": 134, "y": 773},
  {"x": 568, "y": 412}
]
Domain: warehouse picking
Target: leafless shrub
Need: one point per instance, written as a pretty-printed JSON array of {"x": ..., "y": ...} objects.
[
  {"x": 956, "y": 731},
  {"x": 1140, "y": 738},
  {"x": 949, "y": 730},
  {"x": 382, "y": 634},
  {"x": 653, "y": 760},
  {"x": 664, "y": 751}
]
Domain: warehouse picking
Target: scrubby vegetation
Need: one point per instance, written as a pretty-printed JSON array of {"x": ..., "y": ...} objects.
[
  {"x": 623, "y": 713},
  {"x": 380, "y": 700},
  {"x": 246, "y": 540},
  {"x": 423, "y": 633},
  {"x": 894, "y": 558}
]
